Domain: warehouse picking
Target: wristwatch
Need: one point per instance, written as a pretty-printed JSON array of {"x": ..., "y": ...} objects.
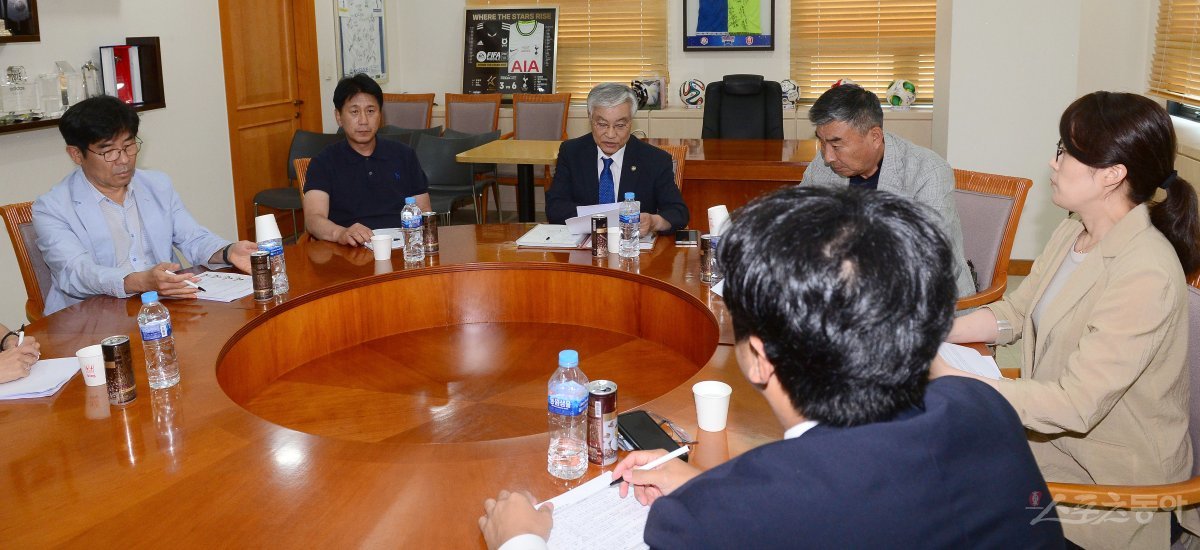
[{"x": 1005, "y": 329}]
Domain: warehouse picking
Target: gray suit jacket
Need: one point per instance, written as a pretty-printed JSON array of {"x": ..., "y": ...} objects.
[{"x": 917, "y": 173}]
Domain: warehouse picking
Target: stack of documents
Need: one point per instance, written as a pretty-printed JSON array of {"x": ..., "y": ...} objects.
[
  {"x": 47, "y": 377},
  {"x": 594, "y": 515},
  {"x": 224, "y": 287}
]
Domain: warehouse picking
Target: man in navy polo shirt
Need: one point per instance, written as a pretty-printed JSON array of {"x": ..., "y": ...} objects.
[{"x": 360, "y": 184}]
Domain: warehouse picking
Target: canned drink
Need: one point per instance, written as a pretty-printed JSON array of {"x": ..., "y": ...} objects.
[
  {"x": 600, "y": 235},
  {"x": 429, "y": 230},
  {"x": 602, "y": 422},
  {"x": 710, "y": 272},
  {"x": 260, "y": 272},
  {"x": 118, "y": 370}
]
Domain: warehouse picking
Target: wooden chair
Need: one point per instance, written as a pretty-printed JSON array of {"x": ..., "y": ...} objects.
[
  {"x": 536, "y": 116},
  {"x": 989, "y": 207},
  {"x": 408, "y": 110},
  {"x": 301, "y": 166},
  {"x": 678, "y": 156},
  {"x": 18, "y": 219},
  {"x": 1152, "y": 497},
  {"x": 473, "y": 113}
]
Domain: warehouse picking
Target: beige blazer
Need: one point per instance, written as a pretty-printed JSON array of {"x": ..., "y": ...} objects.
[{"x": 1104, "y": 385}]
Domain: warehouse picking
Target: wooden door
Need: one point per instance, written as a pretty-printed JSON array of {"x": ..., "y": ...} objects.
[{"x": 271, "y": 90}]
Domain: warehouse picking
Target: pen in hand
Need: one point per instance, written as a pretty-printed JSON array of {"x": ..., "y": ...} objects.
[
  {"x": 187, "y": 281},
  {"x": 656, "y": 462}
]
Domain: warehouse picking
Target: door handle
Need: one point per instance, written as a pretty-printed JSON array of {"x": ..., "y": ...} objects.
[{"x": 298, "y": 102}]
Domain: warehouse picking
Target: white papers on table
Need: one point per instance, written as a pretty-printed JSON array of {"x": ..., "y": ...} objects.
[
  {"x": 545, "y": 235},
  {"x": 594, "y": 515},
  {"x": 45, "y": 379},
  {"x": 397, "y": 237},
  {"x": 224, "y": 287},
  {"x": 582, "y": 224},
  {"x": 969, "y": 360}
]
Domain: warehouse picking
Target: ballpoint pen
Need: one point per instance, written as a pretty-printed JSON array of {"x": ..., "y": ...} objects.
[
  {"x": 656, "y": 462},
  {"x": 187, "y": 282}
]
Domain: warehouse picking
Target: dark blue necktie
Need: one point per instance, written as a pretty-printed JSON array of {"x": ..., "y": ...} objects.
[{"x": 607, "y": 193}]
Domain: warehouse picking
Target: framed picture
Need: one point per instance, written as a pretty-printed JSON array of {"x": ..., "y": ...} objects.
[
  {"x": 362, "y": 40},
  {"x": 727, "y": 25},
  {"x": 20, "y": 21},
  {"x": 510, "y": 50}
]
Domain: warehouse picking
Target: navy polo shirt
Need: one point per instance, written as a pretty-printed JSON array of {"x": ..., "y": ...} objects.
[
  {"x": 858, "y": 182},
  {"x": 368, "y": 190}
]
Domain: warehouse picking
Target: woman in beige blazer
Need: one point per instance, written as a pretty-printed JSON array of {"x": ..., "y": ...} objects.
[{"x": 1103, "y": 318}]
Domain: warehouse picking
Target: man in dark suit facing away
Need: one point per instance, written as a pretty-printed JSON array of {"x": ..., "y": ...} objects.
[
  {"x": 836, "y": 329},
  {"x": 602, "y": 166}
]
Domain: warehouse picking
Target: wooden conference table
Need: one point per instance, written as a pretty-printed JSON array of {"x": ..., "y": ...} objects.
[
  {"x": 717, "y": 171},
  {"x": 377, "y": 405}
]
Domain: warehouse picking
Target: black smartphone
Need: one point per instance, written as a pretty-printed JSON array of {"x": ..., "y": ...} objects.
[
  {"x": 641, "y": 431},
  {"x": 687, "y": 237}
]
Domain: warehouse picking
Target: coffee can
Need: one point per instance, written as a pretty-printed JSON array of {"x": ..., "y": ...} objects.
[
  {"x": 708, "y": 258},
  {"x": 602, "y": 422},
  {"x": 118, "y": 370},
  {"x": 260, "y": 272},
  {"x": 429, "y": 231},
  {"x": 600, "y": 235}
]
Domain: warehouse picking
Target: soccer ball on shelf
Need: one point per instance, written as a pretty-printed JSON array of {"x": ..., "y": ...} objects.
[
  {"x": 691, "y": 93},
  {"x": 901, "y": 94},
  {"x": 791, "y": 93}
]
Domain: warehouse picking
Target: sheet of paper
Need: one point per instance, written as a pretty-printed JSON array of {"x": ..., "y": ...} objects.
[
  {"x": 397, "y": 238},
  {"x": 224, "y": 287},
  {"x": 45, "y": 379},
  {"x": 969, "y": 360},
  {"x": 582, "y": 223},
  {"x": 546, "y": 235},
  {"x": 594, "y": 515}
]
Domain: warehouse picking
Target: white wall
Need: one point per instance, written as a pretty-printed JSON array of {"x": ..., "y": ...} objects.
[{"x": 189, "y": 139}]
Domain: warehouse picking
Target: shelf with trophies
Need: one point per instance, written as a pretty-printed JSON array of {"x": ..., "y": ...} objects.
[{"x": 132, "y": 72}]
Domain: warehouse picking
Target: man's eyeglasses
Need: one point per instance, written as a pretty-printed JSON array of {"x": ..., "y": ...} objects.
[
  {"x": 1059, "y": 150},
  {"x": 113, "y": 154},
  {"x": 620, "y": 127}
]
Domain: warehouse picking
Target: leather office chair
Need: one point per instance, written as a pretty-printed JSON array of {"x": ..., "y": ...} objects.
[
  {"x": 743, "y": 106},
  {"x": 1150, "y": 497},
  {"x": 989, "y": 209},
  {"x": 18, "y": 219},
  {"x": 451, "y": 183},
  {"x": 408, "y": 110},
  {"x": 304, "y": 144}
]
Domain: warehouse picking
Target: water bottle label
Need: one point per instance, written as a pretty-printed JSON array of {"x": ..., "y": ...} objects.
[
  {"x": 155, "y": 330},
  {"x": 413, "y": 222},
  {"x": 273, "y": 249},
  {"x": 559, "y": 404},
  {"x": 631, "y": 218}
]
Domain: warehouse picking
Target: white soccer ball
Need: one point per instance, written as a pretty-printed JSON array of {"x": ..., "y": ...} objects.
[
  {"x": 791, "y": 92},
  {"x": 691, "y": 93},
  {"x": 901, "y": 94}
]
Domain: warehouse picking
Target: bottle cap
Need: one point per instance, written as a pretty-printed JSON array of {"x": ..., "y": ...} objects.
[
  {"x": 568, "y": 358},
  {"x": 628, "y": 196},
  {"x": 410, "y": 200},
  {"x": 151, "y": 296}
]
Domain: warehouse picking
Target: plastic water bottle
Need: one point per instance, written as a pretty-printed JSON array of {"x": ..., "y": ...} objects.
[
  {"x": 279, "y": 279},
  {"x": 567, "y": 409},
  {"x": 414, "y": 240},
  {"x": 158, "y": 343},
  {"x": 631, "y": 227}
]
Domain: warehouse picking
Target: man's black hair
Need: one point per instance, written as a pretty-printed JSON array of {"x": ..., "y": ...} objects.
[
  {"x": 353, "y": 85},
  {"x": 851, "y": 293},
  {"x": 97, "y": 119}
]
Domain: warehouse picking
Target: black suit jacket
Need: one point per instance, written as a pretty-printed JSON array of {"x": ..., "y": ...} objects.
[
  {"x": 646, "y": 171},
  {"x": 957, "y": 473}
]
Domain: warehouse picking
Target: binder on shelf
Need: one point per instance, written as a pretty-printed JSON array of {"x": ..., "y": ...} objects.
[{"x": 122, "y": 71}]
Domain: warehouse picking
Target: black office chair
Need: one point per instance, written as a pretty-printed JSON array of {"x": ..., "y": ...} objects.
[
  {"x": 304, "y": 144},
  {"x": 743, "y": 106},
  {"x": 452, "y": 183}
]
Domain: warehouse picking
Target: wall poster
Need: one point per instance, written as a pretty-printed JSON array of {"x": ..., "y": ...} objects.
[
  {"x": 724, "y": 25},
  {"x": 510, "y": 50},
  {"x": 361, "y": 38}
]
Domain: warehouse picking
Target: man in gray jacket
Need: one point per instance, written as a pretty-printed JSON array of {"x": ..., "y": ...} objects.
[{"x": 857, "y": 152}]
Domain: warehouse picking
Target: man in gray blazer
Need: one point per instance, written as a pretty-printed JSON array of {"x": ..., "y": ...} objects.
[{"x": 856, "y": 152}]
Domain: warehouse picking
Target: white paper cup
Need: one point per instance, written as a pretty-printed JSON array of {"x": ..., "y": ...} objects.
[
  {"x": 382, "y": 245},
  {"x": 712, "y": 404},
  {"x": 91, "y": 363},
  {"x": 718, "y": 216},
  {"x": 266, "y": 228}
]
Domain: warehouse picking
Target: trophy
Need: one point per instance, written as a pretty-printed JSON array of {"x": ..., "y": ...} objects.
[{"x": 4, "y": 29}]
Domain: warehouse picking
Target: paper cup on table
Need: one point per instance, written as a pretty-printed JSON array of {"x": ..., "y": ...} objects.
[
  {"x": 266, "y": 228},
  {"x": 91, "y": 363},
  {"x": 382, "y": 245},
  {"x": 718, "y": 216},
  {"x": 712, "y": 404}
]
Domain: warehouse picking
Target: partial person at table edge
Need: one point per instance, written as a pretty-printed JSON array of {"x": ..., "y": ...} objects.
[
  {"x": 19, "y": 352},
  {"x": 1102, "y": 318},
  {"x": 855, "y": 151},
  {"x": 109, "y": 228},
  {"x": 874, "y": 454},
  {"x": 600, "y": 167},
  {"x": 359, "y": 184}
]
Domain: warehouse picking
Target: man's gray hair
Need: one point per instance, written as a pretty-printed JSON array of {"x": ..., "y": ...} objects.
[
  {"x": 611, "y": 94},
  {"x": 848, "y": 103}
]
